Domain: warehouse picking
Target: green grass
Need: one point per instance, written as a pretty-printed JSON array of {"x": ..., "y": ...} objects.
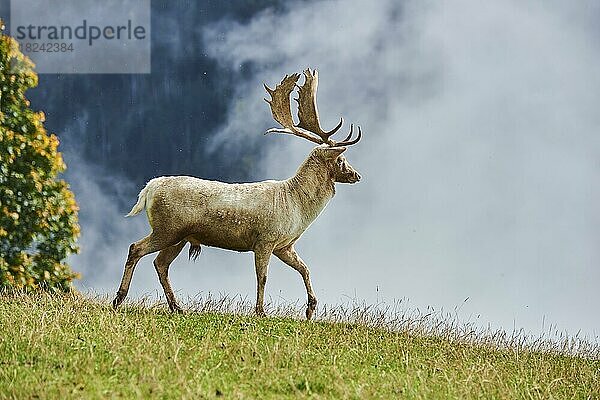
[{"x": 76, "y": 347}]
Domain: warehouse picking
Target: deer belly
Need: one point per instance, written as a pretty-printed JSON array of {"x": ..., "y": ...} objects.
[{"x": 226, "y": 235}]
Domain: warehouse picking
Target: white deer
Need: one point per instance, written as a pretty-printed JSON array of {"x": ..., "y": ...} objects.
[{"x": 263, "y": 217}]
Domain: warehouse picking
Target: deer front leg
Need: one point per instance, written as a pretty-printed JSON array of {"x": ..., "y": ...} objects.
[
  {"x": 261, "y": 263},
  {"x": 289, "y": 256}
]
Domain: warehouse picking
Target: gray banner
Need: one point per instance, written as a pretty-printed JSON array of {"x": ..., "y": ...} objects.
[{"x": 84, "y": 36}]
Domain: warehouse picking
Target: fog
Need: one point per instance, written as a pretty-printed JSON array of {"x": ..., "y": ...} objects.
[{"x": 479, "y": 160}]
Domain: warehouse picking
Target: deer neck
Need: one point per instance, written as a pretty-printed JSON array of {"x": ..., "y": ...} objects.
[{"x": 311, "y": 188}]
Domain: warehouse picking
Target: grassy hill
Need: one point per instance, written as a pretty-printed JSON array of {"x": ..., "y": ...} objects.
[{"x": 76, "y": 347}]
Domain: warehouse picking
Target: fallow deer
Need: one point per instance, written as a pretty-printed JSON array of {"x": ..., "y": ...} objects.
[{"x": 263, "y": 217}]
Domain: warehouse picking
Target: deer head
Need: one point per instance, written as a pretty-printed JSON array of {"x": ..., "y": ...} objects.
[{"x": 309, "y": 126}]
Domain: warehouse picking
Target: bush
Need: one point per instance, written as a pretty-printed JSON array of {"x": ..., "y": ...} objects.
[{"x": 38, "y": 212}]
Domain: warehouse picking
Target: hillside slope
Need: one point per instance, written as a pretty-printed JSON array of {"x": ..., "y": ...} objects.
[{"x": 76, "y": 347}]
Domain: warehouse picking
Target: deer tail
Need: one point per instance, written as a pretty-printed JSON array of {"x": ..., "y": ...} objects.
[{"x": 142, "y": 198}]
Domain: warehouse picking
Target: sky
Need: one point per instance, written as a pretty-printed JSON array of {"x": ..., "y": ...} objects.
[{"x": 480, "y": 161}]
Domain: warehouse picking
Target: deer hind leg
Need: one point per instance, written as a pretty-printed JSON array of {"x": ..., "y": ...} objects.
[
  {"x": 289, "y": 256},
  {"x": 161, "y": 264},
  {"x": 137, "y": 250}
]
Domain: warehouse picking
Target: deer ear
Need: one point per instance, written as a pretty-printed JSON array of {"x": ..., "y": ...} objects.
[{"x": 333, "y": 152}]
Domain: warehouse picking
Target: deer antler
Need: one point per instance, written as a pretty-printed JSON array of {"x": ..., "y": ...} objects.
[
  {"x": 308, "y": 113},
  {"x": 309, "y": 126},
  {"x": 280, "y": 108}
]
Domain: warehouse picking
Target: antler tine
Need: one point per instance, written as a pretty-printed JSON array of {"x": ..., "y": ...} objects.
[
  {"x": 337, "y": 128},
  {"x": 347, "y": 141},
  {"x": 350, "y": 134}
]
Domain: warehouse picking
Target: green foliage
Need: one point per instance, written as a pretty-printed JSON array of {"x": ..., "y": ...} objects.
[
  {"x": 72, "y": 347},
  {"x": 38, "y": 213}
]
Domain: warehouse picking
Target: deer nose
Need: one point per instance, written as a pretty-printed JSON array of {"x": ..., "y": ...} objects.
[{"x": 357, "y": 176}]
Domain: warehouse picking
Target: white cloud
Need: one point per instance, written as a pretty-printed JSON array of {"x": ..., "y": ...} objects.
[{"x": 480, "y": 156}]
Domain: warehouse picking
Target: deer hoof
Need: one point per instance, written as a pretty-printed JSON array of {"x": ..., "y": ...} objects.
[
  {"x": 118, "y": 300},
  {"x": 176, "y": 309},
  {"x": 310, "y": 309},
  {"x": 260, "y": 312}
]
